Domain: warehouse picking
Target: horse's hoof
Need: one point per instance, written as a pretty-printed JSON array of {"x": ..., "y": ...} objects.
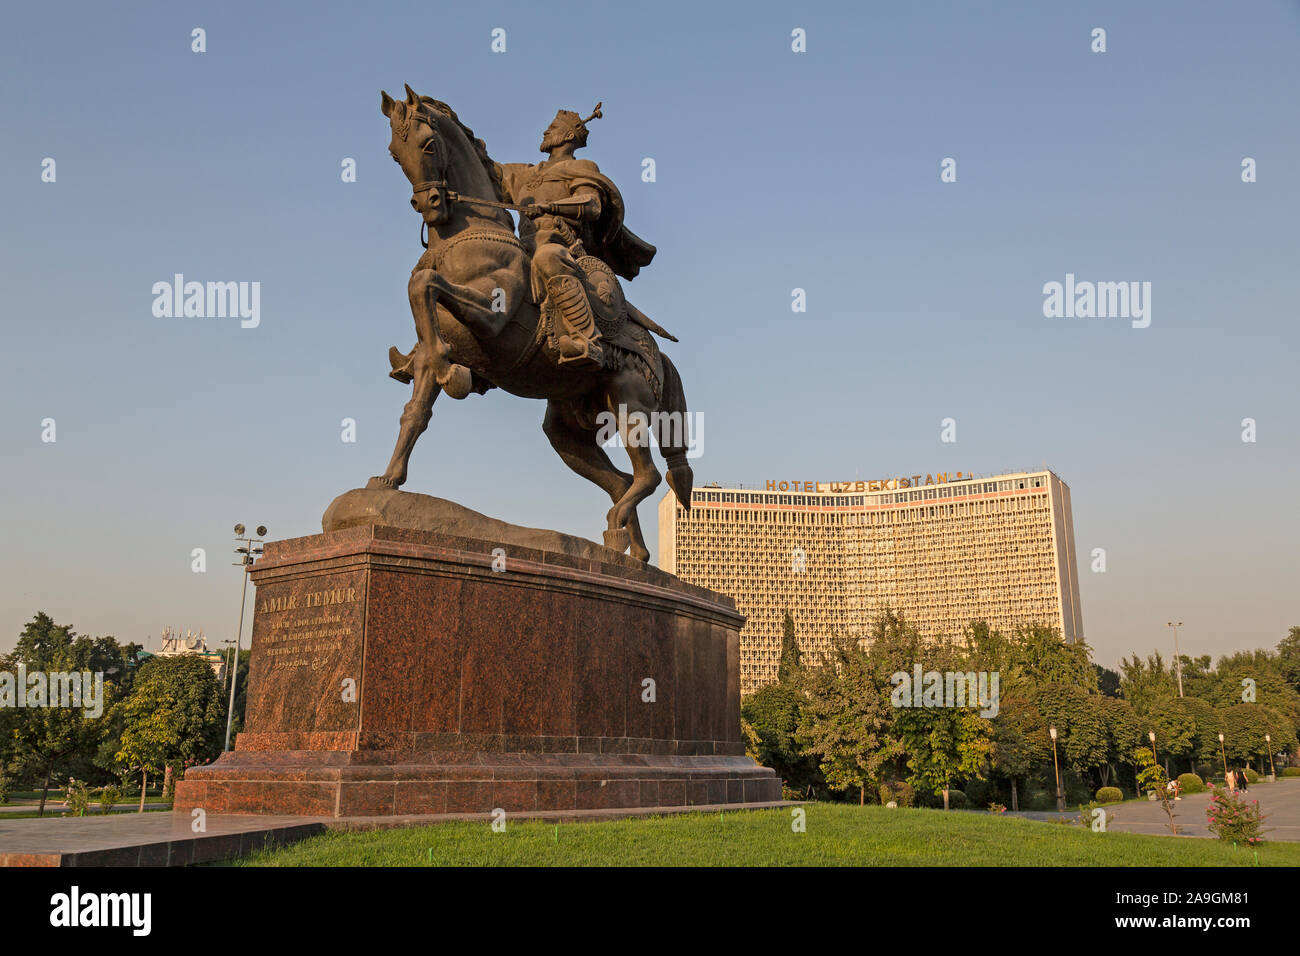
[
  {"x": 618, "y": 539},
  {"x": 380, "y": 483},
  {"x": 458, "y": 382}
]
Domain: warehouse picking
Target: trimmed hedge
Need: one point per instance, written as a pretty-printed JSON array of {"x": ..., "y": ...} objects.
[
  {"x": 1291, "y": 771},
  {"x": 1251, "y": 776},
  {"x": 1190, "y": 783},
  {"x": 1110, "y": 795},
  {"x": 899, "y": 792},
  {"x": 957, "y": 799}
]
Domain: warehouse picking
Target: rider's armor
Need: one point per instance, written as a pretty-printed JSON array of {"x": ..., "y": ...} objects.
[{"x": 571, "y": 210}]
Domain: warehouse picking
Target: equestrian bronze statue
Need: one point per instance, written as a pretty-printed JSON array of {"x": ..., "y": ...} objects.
[{"x": 540, "y": 314}]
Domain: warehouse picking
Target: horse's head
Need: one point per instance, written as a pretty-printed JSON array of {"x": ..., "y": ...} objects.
[{"x": 419, "y": 147}]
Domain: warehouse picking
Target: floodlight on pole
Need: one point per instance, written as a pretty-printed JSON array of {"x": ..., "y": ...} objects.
[
  {"x": 1056, "y": 765},
  {"x": 1178, "y": 664},
  {"x": 248, "y": 554}
]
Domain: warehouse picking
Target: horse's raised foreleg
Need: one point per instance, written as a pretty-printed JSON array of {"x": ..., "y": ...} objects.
[
  {"x": 485, "y": 306},
  {"x": 431, "y": 370}
]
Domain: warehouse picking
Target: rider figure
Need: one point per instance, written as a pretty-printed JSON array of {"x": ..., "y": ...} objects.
[{"x": 569, "y": 209}]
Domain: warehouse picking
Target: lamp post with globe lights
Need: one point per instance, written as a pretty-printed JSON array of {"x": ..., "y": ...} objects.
[{"x": 1060, "y": 797}]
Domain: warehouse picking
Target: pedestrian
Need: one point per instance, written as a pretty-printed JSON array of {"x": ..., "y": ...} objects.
[
  {"x": 1241, "y": 781},
  {"x": 1230, "y": 779}
]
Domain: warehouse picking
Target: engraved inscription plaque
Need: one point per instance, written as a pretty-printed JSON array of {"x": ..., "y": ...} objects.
[{"x": 305, "y": 672}]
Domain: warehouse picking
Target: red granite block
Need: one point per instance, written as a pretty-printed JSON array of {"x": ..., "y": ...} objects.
[
  {"x": 672, "y": 793},
  {"x": 420, "y": 797},
  {"x": 366, "y": 798},
  {"x": 514, "y": 796},
  {"x": 557, "y": 794},
  {"x": 470, "y": 796}
]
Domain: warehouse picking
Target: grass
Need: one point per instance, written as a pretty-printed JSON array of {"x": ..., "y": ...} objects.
[
  {"x": 55, "y": 811},
  {"x": 837, "y": 835}
]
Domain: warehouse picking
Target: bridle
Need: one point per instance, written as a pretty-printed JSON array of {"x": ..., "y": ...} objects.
[{"x": 433, "y": 147}]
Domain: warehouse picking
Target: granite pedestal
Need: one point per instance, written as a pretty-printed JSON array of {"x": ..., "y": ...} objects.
[{"x": 397, "y": 672}]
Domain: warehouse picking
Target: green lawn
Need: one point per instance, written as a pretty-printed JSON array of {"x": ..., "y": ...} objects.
[{"x": 837, "y": 835}]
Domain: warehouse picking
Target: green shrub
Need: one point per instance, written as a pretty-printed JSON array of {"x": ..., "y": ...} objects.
[
  {"x": 899, "y": 792},
  {"x": 1251, "y": 776},
  {"x": 1190, "y": 783},
  {"x": 1291, "y": 771},
  {"x": 1110, "y": 795},
  {"x": 957, "y": 799},
  {"x": 1040, "y": 800},
  {"x": 76, "y": 797},
  {"x": 109, "y": 797},
  {"x": 1088, "y": 818},
  {"x": 1231, "y": 818},
  {"x": 978, "y": 792},
  {"x": 4, "y": 789}
]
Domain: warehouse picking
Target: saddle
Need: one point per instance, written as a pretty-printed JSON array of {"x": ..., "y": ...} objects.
[{"x": 623, "y": 326}]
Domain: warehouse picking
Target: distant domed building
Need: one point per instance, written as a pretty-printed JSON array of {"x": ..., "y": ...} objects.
[{"x": 174, "y": 645}]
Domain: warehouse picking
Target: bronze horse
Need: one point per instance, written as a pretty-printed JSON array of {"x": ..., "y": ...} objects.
[{"x": 477, "y": 328}]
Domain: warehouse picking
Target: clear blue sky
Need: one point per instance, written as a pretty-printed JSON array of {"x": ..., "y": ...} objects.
[{"x": 776, "y": 170}]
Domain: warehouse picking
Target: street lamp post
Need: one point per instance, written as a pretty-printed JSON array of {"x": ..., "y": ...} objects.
[
  {"x": 1178, "y": 664},
  {"x": 248, "y": 554},
  {"x": 1060, "y": 797},
  {"x": 1151, "y": 736},
  {"x": 1224, "y": 754},
  {"x": 1272, "y": 771},
  {"x": 230, "y": 646}
]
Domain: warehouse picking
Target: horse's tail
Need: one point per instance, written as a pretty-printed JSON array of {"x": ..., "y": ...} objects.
[{"x": 674, "y": 433}]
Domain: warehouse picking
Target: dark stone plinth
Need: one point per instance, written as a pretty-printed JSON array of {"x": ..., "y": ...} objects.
[{"x": 395, "y": 672}]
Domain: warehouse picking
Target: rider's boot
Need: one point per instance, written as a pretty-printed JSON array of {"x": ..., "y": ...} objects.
[{"x": 579, "y": 345}]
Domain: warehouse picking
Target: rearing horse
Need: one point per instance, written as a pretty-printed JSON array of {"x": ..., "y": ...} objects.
[{"x": 477, "y": 328}]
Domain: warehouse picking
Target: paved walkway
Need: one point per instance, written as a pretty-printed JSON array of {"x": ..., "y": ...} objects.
[
  {"x": 143, "y": 839},
  {"x": 165, "y": 839},
  {"x": 1280, "y": 802}
]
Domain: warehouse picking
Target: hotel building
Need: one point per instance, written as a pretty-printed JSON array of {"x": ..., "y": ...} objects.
[{"x": 943, "y": 551}]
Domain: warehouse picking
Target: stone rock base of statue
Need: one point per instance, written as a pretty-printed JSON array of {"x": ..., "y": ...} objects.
[{"x": 398, "y": 671}]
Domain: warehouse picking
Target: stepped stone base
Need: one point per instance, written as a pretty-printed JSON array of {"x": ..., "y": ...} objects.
[{"x": 399, "y": 671}]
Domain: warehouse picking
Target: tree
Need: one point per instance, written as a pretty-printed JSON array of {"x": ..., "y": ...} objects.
[
  {"x": 943, "y": 744},
  {"x": 173, "y": 717},
  {"x": 1288, "y": 653},
  {"x": 52, "y": 740},
  {"x": 1107, "y": 680},
  {"x": 1123, "y": 734},
  {"x": 1020, "y": 742},
  {"x": 1175, "y": 729},
  {"x": 772, "y": 714},
  {"x": 789, "y": 668},
  {"x": 1080, "y": 721},
  {"x": 1142, "y": 683},
  {"x": 845, "y": 721},
  {"x": 1041, "y": 657},
  {"x": 947, "y": 742},
  {"x": 1152, "y": 778}
]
